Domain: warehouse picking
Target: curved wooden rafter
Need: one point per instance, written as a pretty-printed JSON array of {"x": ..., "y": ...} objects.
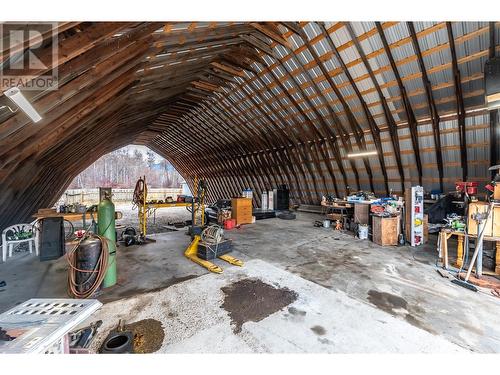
[{"x": 237, "y": 104}]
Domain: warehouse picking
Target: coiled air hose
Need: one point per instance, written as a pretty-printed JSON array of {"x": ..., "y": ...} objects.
[
  {"x": 140, "y": 192},
  {"x": 100, "y": 269}
]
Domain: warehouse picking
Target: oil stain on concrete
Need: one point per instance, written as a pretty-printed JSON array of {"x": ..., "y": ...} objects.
[
  {"x": 398, "y": 306},
  {"x": 387, "y": 301},
  {"x": 297, "y": 312},
  {"x": 319, "y": 330},
  {"x": 130, "y": 292},
  {"x": 253, "y": 300}
]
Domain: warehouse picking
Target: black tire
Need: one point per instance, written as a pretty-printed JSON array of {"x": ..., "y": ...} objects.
[
  {"x": 287, "y": 216},
  {"x": 118, "y": 343}
]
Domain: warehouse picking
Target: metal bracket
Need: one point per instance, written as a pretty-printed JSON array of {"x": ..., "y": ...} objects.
[{"x": 9, "y": 108}]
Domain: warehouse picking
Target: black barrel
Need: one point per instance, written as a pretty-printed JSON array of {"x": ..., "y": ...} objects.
[{"x": 87, "y": 256}]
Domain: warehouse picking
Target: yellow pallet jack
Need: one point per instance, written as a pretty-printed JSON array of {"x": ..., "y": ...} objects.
[
  {"x": 198, "y": 212},
  {"x": 192, "y": 253}
]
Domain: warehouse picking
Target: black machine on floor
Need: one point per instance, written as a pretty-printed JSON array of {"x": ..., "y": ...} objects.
[
  {"x": 282, "y": 198},
  {"x": 212, "y": 211},
  {"x": 52, "y": 238},
  {"x": 130, "y": 237},
  {"x": 263, "y": 214}
]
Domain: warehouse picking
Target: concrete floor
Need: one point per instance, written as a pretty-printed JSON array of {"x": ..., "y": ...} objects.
[
  {"x": 319, "y": 321},
  {"x": 367, "y": 298}
]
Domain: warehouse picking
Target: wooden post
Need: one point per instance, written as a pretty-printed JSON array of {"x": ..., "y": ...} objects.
[
  {"x": 497, "y": 259},
  {"x": 460, "y": 251},
  {"x": 443, "y": 255}
]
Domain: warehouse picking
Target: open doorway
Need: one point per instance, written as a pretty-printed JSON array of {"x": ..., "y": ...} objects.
[{"x": 120, "y": 170}]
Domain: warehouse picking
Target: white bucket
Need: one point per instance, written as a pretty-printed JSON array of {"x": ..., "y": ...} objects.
[
  {"x": 362, "y": 231},
  {"x": 326, "y": 223}
]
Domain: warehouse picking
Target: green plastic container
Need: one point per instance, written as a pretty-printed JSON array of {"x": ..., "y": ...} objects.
[{"x": 106, "y": 228}]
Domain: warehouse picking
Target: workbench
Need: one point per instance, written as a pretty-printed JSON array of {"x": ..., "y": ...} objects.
[
  {"x": 150, "y": 208},
  {"x": 73, "y": 216},
  {"x": 445, "y": 235},
  {"x": 337, "y": 210}
]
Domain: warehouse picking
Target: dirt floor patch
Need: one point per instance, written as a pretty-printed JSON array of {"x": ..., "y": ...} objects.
[
  {"x": 148, "y": 335},
  {"x": 253, "y": 300}
]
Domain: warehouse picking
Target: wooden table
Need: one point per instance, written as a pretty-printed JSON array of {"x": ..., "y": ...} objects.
[
  {"x": 445, "y": 235},
  {"x": 341, "y": 208},
  {"x": 152, "y": 207},
  {"x": 73, "y": 216}
]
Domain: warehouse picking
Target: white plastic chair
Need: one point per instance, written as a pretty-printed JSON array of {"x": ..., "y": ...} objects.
[{"x": 8, "y": 245}]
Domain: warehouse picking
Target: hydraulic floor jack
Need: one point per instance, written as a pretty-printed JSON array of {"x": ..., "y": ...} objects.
[{"x": 201, "y": 233}]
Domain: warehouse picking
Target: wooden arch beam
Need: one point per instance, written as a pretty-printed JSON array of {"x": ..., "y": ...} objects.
[
  {"x": 374, "y": 130},
  {"x": 460, "y": 102},
  {"x": 410, "y": 115},
  {"x": 430, "y": 102},
  {"x": 393, "y": 131}
]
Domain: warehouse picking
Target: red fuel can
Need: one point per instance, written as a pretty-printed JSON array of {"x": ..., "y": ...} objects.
[{"x": 229, "y": 224}]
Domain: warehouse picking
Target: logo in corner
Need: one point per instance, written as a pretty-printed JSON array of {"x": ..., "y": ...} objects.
[{"x": 28, "y": 56}]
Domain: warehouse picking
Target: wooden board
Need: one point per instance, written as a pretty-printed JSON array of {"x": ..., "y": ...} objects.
[
  {"x": 334, "y": 216},
  {"x": 361, "y": 213},
  {"x": 46, "y": 211},
  {"x": 426, "y": 228},
  {"x": 385, "y": 230},
  {"x": 496, "y": 191},
  {"x": 474, "y": 208},
  {"x": 496, "y": 222}
]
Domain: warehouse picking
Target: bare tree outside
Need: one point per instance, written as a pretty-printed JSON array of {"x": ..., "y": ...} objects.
[{"x": 122, "y": 168}]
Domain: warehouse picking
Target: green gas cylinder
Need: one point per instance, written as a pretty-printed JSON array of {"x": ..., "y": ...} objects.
[{"x": 106, "y": 228}]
